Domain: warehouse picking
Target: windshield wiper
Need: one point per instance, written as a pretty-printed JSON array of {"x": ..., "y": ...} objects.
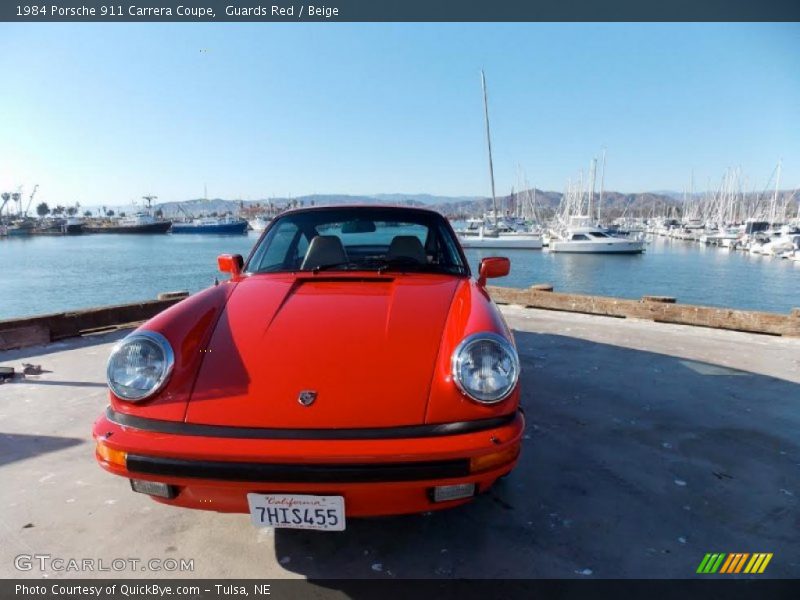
[
  {"x": 392, "y": 264},
  {"x": 406, "y": 264},
  {"x": 327, "y": 267}
]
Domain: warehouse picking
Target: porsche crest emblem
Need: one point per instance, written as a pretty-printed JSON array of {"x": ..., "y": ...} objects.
[{"x": 307, "y": 397}]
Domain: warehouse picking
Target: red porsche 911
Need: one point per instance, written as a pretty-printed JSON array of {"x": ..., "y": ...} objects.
[{"x": 351, "y": 366}]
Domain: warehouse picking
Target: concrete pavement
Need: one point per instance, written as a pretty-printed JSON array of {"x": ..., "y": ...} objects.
[{"x": 648, "y": 445}]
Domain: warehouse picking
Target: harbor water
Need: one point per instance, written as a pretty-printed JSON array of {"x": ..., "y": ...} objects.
[{"x": 44, "y": 274}]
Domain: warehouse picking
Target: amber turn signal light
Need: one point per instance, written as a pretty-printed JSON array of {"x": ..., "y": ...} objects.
[
  {"x": 486, "y": 462},
  {"x": 114, "y": 457}
]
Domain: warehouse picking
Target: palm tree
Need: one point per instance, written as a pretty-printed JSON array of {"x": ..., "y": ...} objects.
[
  {"x": 42, "y": 209},
  {"x": 17, "y": 197},
  {"x": 72, "y": 210}
]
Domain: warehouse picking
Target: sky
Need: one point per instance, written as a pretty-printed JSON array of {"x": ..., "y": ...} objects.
[{"x": 104, "y": 113}]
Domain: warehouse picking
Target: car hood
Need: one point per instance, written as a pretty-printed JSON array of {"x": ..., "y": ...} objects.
[{"x": 364, "y": 346}]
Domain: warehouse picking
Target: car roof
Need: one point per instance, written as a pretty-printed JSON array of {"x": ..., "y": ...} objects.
[{"x": 389, "y": 207}]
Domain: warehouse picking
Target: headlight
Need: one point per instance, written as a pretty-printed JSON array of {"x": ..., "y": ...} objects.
[
  {"x": 139, "y": 365},
  {"x": 485, "y": 367}
]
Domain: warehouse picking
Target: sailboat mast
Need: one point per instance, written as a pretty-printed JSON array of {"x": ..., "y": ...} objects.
[
  {"x": 775, "y": 195},
  {"x": 591, "y": 191},
  {"x": 489, "y": 145},
  {"x": 602, "y": 185}
]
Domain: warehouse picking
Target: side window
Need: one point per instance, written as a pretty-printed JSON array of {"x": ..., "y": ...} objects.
[
  {"x": 579, "y": 237},
  {"x": 278, "y": 247},
  {"x": 444, "y": 249}
]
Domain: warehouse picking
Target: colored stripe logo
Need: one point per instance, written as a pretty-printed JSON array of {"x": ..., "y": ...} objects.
[{"x": 737, "y": 562}]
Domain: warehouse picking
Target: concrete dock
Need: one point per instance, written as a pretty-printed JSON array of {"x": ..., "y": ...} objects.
[{"x": 648, "y": 445}]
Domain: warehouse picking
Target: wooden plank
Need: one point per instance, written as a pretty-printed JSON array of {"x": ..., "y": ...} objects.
[
  {"x": 654, "y": 308},
  {"x": 27, "y": 335},
  {"x": 30, "y": 331},
  {"x": 19, "y": 333}
]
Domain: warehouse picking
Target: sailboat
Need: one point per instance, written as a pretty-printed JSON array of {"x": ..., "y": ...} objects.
[
  {"x": 488, "y": 235},
  {"x": 502, "y": 241}
]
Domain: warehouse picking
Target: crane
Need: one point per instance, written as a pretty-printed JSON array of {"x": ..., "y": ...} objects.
[{"x": 30, "y": 199}]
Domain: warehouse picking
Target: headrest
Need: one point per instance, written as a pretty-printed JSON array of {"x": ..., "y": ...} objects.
[
  {"x": 322, "y": 251},
  {"x": 407, "y": 246}
]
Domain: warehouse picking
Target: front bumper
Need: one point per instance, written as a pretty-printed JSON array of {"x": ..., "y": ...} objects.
[{"x": 377, "y": 471}]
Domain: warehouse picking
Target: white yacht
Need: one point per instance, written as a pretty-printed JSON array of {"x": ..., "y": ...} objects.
[
  {"x": 722, "y": 236},
  {"x": 259, "y": 223},
  {"x": 583, "y": 238},
  {"x": 474, "y": 227},
  {"x": 782, "y": 242}
]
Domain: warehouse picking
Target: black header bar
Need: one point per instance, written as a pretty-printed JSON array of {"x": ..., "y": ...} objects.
[{"x": 287, "y": 11}]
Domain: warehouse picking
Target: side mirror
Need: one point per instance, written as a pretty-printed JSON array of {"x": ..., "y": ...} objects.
[
  {"x": 494, "y": 266},
  {"x": 230, "y": 263}
]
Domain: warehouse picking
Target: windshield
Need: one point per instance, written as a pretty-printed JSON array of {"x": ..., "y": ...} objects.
[{"x": 343, "y": 239}]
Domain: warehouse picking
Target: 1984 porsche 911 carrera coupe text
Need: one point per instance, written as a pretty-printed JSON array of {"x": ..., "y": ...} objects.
[{"x": 350, "y": 367}]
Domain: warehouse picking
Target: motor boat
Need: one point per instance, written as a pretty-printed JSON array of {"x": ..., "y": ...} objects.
[{"x": 581, "y": 237}]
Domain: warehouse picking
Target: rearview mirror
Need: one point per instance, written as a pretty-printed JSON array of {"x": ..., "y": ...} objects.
[
  {"x": 359, "y": 226},
  {"x": 230, "y": 263},
  {"x": 494, "y": 266}
]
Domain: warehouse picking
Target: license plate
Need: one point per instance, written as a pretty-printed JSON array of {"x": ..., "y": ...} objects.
[{"x": 297, "y": 511}]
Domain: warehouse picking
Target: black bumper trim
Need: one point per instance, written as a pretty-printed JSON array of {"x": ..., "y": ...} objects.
[
  {"x": 378, "y": 433},
  {"x": 294, "y": 473}
]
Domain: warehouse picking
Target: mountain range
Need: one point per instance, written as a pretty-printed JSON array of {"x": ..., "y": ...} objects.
[
  {"x": 616, "y": 203},
  {"x": 613, "y": 204}
]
